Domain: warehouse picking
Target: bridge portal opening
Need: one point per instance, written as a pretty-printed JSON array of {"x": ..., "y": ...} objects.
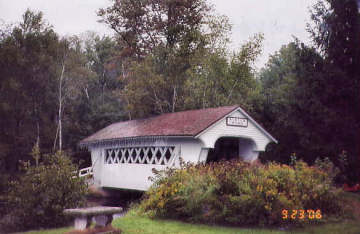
[{"x": 228, "y": 148}]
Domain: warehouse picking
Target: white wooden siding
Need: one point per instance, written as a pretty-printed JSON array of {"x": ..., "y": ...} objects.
[
  {"x": 128, "y": 176},
  {"x": 96, "y": 162},
  {"x": 135, "y": 176},
  {"x": 220, "y": 129}
]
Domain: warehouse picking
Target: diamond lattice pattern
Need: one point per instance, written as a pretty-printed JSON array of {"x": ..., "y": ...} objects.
[{"x": 141, "y": 155}]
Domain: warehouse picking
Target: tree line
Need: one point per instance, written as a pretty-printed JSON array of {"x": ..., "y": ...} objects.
[{"x": 168, "y": 56}]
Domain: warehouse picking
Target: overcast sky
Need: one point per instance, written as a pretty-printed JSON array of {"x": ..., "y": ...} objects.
[{"x": 279, "y": 20}]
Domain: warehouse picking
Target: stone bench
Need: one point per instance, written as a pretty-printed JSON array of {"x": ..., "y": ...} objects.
[{"x": 103, "y": 216}]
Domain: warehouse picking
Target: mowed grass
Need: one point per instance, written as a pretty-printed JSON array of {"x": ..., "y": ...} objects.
[
  {"x": 133, "y": 223},
  {"x": 346, "y": 227}
]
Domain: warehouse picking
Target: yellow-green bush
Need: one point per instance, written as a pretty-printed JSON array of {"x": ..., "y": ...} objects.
[
  {"x": 234, "y": 192},
  {"x": 41, "y": 194}
]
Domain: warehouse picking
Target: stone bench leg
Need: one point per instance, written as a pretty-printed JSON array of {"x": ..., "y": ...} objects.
[
  {"x": 103, "y": 220},
  {"x": 82, "y": 222}
]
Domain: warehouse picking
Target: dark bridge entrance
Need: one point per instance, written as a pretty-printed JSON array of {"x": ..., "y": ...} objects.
[{"x": 226, "y": 148}]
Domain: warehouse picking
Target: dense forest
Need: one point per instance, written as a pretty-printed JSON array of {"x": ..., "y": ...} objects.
[{"x": 168, "y": 56}]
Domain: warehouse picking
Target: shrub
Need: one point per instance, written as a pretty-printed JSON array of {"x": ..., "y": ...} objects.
[
  {"x": 41, "y": 194},
  {"x": 237, "y": 193}
]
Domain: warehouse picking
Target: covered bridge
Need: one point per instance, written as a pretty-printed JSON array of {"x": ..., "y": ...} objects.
[{"x": 124, "y": 153}]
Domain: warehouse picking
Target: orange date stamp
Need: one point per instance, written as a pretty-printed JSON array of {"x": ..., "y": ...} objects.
[{"x": 301, "y": 214}]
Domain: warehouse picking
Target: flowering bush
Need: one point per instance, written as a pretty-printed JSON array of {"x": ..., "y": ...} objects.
[{"x": 237, "y": 193}]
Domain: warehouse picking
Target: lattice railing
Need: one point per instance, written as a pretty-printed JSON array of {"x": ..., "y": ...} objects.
[
  {"x": 161, "y": 155},
  {"x": 86, "y": 171}
]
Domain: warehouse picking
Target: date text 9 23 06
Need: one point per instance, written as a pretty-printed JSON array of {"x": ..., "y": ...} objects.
[{"x": 301, "y": 214}]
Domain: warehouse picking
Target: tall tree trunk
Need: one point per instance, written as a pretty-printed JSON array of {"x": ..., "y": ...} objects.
[
  {"x": 60, "y": 106},
  {"x": 228, "y": 99},
  {"x": 38, "y": 131},
  {"x": 126, "y": 98},
  {"x": 37, "y": 146},
  {"x": 203, "y": 99},
  {"x": 174, "y": 100},
  {"x": 103, "y": 86},
  {"x": 56, "y": 136},
  {"x": 87, "y": 93}
]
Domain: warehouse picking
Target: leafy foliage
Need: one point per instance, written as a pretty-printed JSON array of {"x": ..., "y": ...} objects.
[
  {"x": 144, "y": 25},
  {"x": 310, "y": 94},
  {"x": 45, "y": 79},
  {"x": 221, "y": 79},
  {"x": 175, "y": 47},
  {"x": 168, "y": 81},
  {"x": 41, "y": 194},
  {"x": 240, "y": 194},
  {"x": 293, "y": 105},
  {"x": 336, "y": 32},
  {"x": 97, "y": 103},
  {"x": 28, "y": 53}
]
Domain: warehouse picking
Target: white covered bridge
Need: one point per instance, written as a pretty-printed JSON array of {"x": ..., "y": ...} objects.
[{"x": 124, "y": 153}]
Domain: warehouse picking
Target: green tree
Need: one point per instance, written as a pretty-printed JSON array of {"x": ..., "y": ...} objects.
[
  {"x": 43, "y": 79},
  {"x": 27, "y": 88},
  {"x": 143, "y": 25},
  {"x": 102, "y": 53},
  {"x": 310, "y": 95},
  {"x": 336, "y": 33},
  {"x": 181, "y": 58},
  {"x": 97, "y": 103},
  {"x": 220, "y": 79},
  {"x": 162, "y": 40},
  {"x": 293, "y": 107},
  {"x": 209, "y": 79},
  {"x": 73, "y": 78}
]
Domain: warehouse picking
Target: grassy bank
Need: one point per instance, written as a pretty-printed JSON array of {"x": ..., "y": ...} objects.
[{"x": 133, "y": 223}]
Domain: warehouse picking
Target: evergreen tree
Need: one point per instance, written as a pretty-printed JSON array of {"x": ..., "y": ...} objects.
[
  {"x": 336, "y": 33},
  {"x": 27, "y": 88}
]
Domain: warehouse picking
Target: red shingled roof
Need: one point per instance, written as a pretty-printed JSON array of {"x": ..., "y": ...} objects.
[{"x": 185, "y": 123}]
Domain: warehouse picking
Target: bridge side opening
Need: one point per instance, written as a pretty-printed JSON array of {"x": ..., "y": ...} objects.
[{"x": 228, "y": 148}]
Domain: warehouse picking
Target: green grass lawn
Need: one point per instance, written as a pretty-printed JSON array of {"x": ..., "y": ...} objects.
[{"x": 133, "y": 223}]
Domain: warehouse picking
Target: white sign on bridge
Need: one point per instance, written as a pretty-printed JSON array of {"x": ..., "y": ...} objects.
[{"x": 236, "y": 121}]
